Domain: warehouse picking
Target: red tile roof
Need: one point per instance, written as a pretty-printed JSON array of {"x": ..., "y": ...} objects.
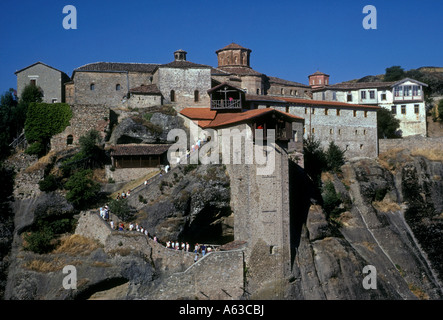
[
  {"x": 221, "y": 119},
  {"x": 326, "y": 103}
]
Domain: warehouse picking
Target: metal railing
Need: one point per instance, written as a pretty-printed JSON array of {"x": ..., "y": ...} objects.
[{"x": 226, "y": 104}]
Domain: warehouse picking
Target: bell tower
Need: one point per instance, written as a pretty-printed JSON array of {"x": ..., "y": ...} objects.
[
  {"x": 180, "y": 55},
  {"x": 233, "y": 55}
]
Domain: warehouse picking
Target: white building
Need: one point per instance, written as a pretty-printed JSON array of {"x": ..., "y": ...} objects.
[{"x": 404, "y": 98}]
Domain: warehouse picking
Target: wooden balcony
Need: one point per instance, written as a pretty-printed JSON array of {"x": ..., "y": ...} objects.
[{"x": 226, "y": 104}]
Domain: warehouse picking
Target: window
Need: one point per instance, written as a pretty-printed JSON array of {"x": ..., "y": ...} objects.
[
  {"x": 339, "y": 131},
  {"x": 366, "y": 114},
  {"x": 258, "y": 91},
  {"x": 416, "y": 109},
  {"x": 403, "y": 109},
  {"x": 69, "y": 139},
  {"x": 363, "y": 95},
  {"x": 313, "y": 111},
  {"x": 415, "y": 90},
  {"x": 54, "y": 100},
  {"x": 92, "y": 87},
  {"x": 331, "y": 131},
  {"x": 364, "y": 132},
  {"x": 313, "y": 130},
  {"x": 361, "y": 146},
  {"x": 349, "y": 97},
  {"x": 306, "y": 110},
  {"x": 291, "y": 92},
  {"x": 394, "y": 109},
  {"x": 326, "y": 111},
  {"x": 407, "y": 91},
  {"x": 118, "y": 87},
  {"x": 33, "y": 82},
  {"x": 355, "y": 113},
  {"x": 287, "y": 109},
  {"x": 356, "y": 132},
  {"x": 398, "y": 91},
  {"x": 172, "y": 96},
  {"x": 196, "y": 96},
  {"x": 371, "y": 94},
  {"x": 338, "y": 112},
  {"x": 334, "y": 95},
  {"x": 323, "y": 96},
  {"x": 383, "y": 96},
  {"x": 282, "y": 91}
]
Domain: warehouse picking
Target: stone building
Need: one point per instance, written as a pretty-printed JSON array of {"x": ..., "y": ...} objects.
[
  {"x": 234, "y": 67},
  {"x": 404, "y": 98},
  {"x": 262, "y": 220},
  {"x": 50, "y": 80}
]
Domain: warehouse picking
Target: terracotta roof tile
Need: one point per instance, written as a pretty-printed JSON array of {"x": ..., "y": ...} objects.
[
  {"x": 139, "y": 149},
  {"x": 146, "y": 89}
]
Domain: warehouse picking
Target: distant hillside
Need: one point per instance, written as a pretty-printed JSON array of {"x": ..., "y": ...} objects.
[{"x": 432, "y": 76}]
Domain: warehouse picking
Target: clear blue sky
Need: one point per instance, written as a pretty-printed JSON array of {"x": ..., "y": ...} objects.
[{"x": 289, "y": 39}]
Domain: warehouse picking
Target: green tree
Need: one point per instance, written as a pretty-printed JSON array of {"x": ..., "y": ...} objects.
[
  {"x": 440, "y": 111},
  {"x": 335, "y": 157},
  {"x": 121, "y": 209},
  {"x": 394, "y": 73},
  {"x": 9, "y": 125},
  {"x": 387, "y": 124},
  {"x": 82, "y": 190},
  {"x": 314, "y": 159}
]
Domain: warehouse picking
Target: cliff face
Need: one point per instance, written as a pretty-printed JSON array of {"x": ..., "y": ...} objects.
[{"x": 390, "y": 220}]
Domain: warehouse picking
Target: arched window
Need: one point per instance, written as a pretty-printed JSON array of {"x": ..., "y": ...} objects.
[
  {"x": 69, "y": 139},
  {"x": 118, "y": 87},
  {"x": 196, "y": 96},
  {"x": 92, "y": 87},
  {"x": 172, "y": 96}
]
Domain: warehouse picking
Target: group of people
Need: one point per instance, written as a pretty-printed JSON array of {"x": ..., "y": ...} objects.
[
  {"x": 123, "y": 195},
  {"x": 198, "y": 249}
]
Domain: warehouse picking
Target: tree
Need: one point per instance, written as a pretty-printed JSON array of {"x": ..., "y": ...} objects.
[
  {"x": 314, "y": 159},
  {"x": 394, "y": 73},
  {"x": 9, "y": 126},
  {"x": 440, "y": 111},
  {"x": 335, "y": 157},
  {"x": 82, "y": 190},
  {"x": 121, "y": 209},
  {"x": 387, "y": 125}
]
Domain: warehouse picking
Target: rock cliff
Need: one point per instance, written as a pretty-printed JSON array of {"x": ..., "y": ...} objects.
[{"x": 389, "y": 218}]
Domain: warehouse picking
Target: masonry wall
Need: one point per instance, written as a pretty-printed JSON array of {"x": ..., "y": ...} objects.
[
  {"x": 105, "y": 89},
  {"x": 143, "y": 101},
  {"x": 184, "y": 82},
  {"x": 355, "y": 134},
  {"x": 49, "y": 80},
  {"x": 411, "y": 143},
  {"x": 84, "y": 118}
]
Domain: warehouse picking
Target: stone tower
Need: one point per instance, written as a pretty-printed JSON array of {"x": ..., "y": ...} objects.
[
  {"x": 318, "y": 79},
  {"x": 180, "y": 55},
  {"x": 233, "y": 55}
]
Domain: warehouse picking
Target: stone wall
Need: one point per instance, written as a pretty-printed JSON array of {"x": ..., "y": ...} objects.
[
  {"x": 355, "y": 134},
  {"x": 184, "y": 82},
  {"x": 84, "y": 118},
  {"x": 48, "y": 79},
  {"x": 216, "y": 276},
  {"x": 411, "y": 143}
]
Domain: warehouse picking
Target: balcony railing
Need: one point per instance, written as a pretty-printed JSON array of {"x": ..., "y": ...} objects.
[{"x": 226, "y": 104}]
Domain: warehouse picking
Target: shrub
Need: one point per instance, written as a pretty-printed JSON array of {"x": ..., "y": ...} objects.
[
  {"x": 36, "y": 148},
  {"x": 331, "y": 201},
  {"x": 335, "y": 157},
  {"x": 82, "y": 190},
  {"x": 121, "y": 209},
  {"x": 39, "y": 241},
  {"x": 49, "y": 183}
]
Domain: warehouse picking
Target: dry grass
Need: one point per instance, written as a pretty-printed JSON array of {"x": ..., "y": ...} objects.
[
  {"x": 435, "y": 154},
  {"x": 40, "y": 265},
  {"x": 76, "y": 245},
  {"x": 386, "y": 206},
  {"x": 41, "y": 163},
  {"x": 134, "y": 183}
]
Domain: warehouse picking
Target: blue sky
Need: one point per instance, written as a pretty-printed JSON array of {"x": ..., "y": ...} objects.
[{"x": 289, "y": 39}]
